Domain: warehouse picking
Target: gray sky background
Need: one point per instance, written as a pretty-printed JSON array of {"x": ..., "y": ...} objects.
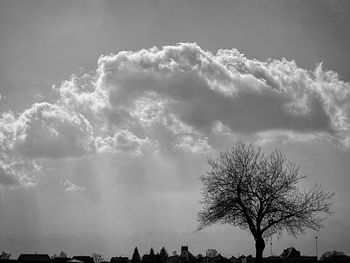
[{"x": 101, "y": 149}]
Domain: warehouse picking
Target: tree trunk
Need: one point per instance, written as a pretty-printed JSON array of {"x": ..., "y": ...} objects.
[{"x": 259, "y": 248}]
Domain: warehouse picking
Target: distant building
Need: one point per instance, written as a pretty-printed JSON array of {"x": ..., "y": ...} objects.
[
  {"x": 173, "y": 259},
  {"x": 85, "y": 259},
  {"x": 5, "y": 260},
  {"x": 61, "y": 260},
  {"x": 337, "y": 259},
  {"x": 240, "y": 258},
  {"x": 234, "y": 260},
  {"x": 290, "y": 252},
  {"x": 74, "y": 261},
  {"x": 248, "y": 259},
  {"x": 184, "y": 252},
  {"x": 149, "y": 258},
  {"x": 34, "y": 258},
  {"x": 185, "y": 257},
  {"x": 220, "y": 259},
  {"x": 273, "y": 259},
  {"x": 120, "y": 260},
  {"x": 291, "y": 255},
  {"x": 211, "y": 253}
]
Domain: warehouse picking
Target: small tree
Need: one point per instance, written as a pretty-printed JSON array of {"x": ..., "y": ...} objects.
[
  {"x": 5, "y": 255},
  {"x": 136, "y": 256},
  {"x": 163, "y": 255},
  {"x": 330, "y": 254},
  {"x": 151, "y": 252},
  {"x": 97, "y": 257},
  {"x": 62, "y": 254},
  {"x": 211, "y": 253},
  {"x": 259, "y": 193}
]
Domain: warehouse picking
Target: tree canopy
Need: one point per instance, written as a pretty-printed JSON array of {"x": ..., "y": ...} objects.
[
  {"x": 260, "y": 193},
  {"x": 5, "y": 255},
  {"x": 330, "y": 254},
  {"x": 97, "y": 257}
]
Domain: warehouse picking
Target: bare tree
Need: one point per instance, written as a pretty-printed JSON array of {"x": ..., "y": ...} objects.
[
  {"x": 328, "y": 255},
  {"x": 62, "y": 254},
  {"x": 5, "y": 255},
  {"x": 260, "y": 193},
  {"x": 97, "y": 257}
]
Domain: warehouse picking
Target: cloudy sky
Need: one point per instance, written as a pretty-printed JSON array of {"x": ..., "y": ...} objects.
[{"x": 109, "y": 110}]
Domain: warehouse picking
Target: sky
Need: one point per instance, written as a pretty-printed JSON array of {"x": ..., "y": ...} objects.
[{"x": 110, "y": 109}]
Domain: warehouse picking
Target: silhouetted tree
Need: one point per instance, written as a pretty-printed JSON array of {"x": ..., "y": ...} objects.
[
  {"x": 211, "y": 253},
  {"x": 259, "y": 193},
  {"x": 151, "y": 252},
  {"x": 97, "y": 257},
  {"x": 5, "y": 255},
  {"x": 330, "y": 254},
  {"x": 136, "y": 256},
  {"x": 62, "y": 254},
  {"x": 163, "y": 255}
]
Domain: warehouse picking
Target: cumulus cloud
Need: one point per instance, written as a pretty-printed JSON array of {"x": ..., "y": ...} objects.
[
  {"x": 186, "y": 138},
  {"x": 47, "y": 131},
  {"x": 180, "y": 98},
  {"x": 201, "y": 89},
  {"x": 123, "y": 141},
  {"x": 6, "y": 178},
  {"x": 42, "y": 131},
  {"x": 15, "y": 171},
  {"x": 70, "y": 187}
]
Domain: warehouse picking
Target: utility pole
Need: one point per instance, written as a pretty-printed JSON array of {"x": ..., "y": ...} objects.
[
  {"x": 271, "y": 246},
  {"x": 316, "y": 249}
]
